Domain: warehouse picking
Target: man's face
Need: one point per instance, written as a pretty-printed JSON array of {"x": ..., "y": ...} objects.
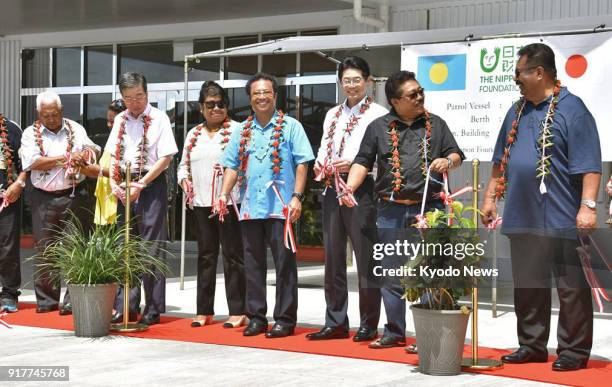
[
  {"x": 528, "y": 78},
  {"x": 411, "y": 104},
  {"x": 136, "y": 100},
  {"x": 214, "y": 110},
  {"x": 51, "y": 116},
  {"x": 353, "y": 84},
  {"x": 263, "y": 98}
]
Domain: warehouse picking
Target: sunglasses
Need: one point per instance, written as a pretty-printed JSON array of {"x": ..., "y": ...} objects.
[
  {"x": 211, "y": 104},
  {"x": 420, "y": 91}
]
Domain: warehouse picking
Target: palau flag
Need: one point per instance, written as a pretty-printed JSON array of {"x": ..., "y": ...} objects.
[{"x": 442, "y": 72}]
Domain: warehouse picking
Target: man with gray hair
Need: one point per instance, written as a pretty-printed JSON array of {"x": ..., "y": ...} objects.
[
  {"x": 142, "y": 135},
  {"x": 57, "y": 153}
]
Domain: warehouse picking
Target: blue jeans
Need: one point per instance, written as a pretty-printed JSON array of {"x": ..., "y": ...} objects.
[{"x": 391, "y": 217}]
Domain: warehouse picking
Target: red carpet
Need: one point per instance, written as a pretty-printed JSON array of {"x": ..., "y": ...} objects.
[{"x": 178, "y": 329}]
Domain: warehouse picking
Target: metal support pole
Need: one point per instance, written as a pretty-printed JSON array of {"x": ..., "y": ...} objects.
[
  {"x": 474, "y": 362},
  {"x": 183, "y": 208}
]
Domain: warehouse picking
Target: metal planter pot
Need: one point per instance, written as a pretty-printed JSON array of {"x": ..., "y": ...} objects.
[
  {"x": 92, "y": 307},
  {"x": 440, "y": 336}
]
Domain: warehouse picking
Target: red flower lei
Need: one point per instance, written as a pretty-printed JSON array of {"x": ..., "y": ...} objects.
[
  {"x": 39, "y": 142},
  {"x": 276, "y": 138},
  {"x": 225, "y": 133},
  {"x": 543, "y": 168},
  {"x": 7, "y": 152},
  {"x": 119, "y": 148},
  {"x": 395, "y": 161},
  {"x": 347, "y": 133}
]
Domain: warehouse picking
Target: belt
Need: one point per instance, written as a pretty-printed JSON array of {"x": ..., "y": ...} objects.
[
  {"x": 406, "y": 202},
  {"x": 62, "y": 192}
]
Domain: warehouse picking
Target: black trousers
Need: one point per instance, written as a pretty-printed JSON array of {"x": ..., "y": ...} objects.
[
  {"x": 534, "y": 259},
  {"x": 358, "y": 224},
  {"x": 210, "y": 233},
  {"x": 149, "y": 221},
  {"x": 256, "y": 234},
  {"x": 10, "y": 264},
  {"x": 48, "y": 212}
]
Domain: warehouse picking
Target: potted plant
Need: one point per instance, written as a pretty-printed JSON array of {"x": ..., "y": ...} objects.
[
  {"x": 92, "y": 264},
  {"x": 440, "y": 323}
]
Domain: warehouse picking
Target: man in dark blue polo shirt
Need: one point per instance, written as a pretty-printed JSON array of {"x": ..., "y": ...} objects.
[{"x": 547, "y": 164}]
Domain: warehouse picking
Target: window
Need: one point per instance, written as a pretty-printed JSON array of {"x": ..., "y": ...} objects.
[
  {"x": 281, "y": 65},
  {"x": 35, "y": 67},
  {"x": 240, "y": 67},
  {"x": 67, "y": 67},
  {"x": 72, "y": 106},
  {"x": 28, "y": 111},
  {"x": 154, "y": 60},
  {"x": 207, "y": 69},
  {"x": 95, "y": 107},
  {"x": 98, "y": 65}
]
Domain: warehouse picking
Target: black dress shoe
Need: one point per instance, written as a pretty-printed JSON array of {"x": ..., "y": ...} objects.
[
  {"x": 523, "y": 355},
  {"x": 46, "y": 309},
  {"x": 564, "y": 363},
  {"x": 280, "y": 331},
  {"x": 66, "y": 309},
  {"x": 149, "y": 319},
  {"x": 327, "y": 333},
  {"x": 255, "y": 328},
  {"x": 118, "y": 317},
  {"x": 365, "y": 334}
]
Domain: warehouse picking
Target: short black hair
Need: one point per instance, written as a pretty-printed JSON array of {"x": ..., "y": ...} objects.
[
  {"x": 354, "y": 62},
  {"x": 117, "y": 106},
  {"x": 132, "y": 79},
  {"x": 394, "y": 84},
  {"x": 539, "y": 54},
  {"x": 213, "y": 89},
  {"x": 259, "y": 76}
]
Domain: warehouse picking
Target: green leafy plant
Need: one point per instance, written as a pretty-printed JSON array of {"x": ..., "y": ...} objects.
[
  {"x": 443, "y": 292},
  {"x": 97, "y": 257}
]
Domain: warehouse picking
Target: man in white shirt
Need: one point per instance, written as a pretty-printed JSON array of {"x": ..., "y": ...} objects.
[
  {"x": 343, "y": 130},
  {"x": 49, "y": 147},
  {"x": 142, "y": 135}
]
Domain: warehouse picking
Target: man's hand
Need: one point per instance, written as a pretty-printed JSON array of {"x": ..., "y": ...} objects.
[
  {"x": 489, "y": 211},
  {"x": 13, "y": 192},
  {"x": 296, "y": 209},
  {"x": 439, "y": 165},
  {"x": 343, "y": 166},
  {"x": 135, "y": 190},
  {"x": 221, "y": 202},
  {"x": 586, "y": 220},
  {"x": 317, "y": 168},
  {"x": 345, "y": 200}
]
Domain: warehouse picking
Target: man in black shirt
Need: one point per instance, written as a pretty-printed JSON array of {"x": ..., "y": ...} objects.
[
  {"x": 405, "y": 143},
  {"x": 12, "y": 182}
]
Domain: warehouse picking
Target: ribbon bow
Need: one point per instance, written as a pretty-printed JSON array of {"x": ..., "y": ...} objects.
[
  {"x": 584, "y": 252},
  {"x": 221, "y": 208},
  {"x": 494, "y": 223}
]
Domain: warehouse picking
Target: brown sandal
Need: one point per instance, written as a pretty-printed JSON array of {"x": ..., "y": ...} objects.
[
  {"x": 411, "y": 349},
  {"x": 387, "y": 342}
]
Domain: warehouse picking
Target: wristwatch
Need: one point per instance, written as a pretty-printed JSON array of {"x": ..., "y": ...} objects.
[
  {"x": 450, "y": 162},
  {"x": 298, "y": 195},
  {"x": 590, "y": 204},
  {"x": 21, "y": 183}
]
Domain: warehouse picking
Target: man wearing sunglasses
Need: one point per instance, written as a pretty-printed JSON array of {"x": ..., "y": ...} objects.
[
  {"x": 142, "y": 135},
  {"x": 400, "y": 183},
  {"x": 550, "y": 196}
]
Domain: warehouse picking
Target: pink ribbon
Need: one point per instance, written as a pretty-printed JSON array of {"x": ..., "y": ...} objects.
[
  {"x": 70, "y": 169},
  {"x": 5, "y": 202},
  {"x": 2, "y": 315},
  {"x": 596, "y": 289},
  {"x": 288, "y": 229},
  {"x": 494, "y": 223},
  {"x": 222, "y": 211},
  {"x": 449, "y": 198},
  {"x": 189, "y": 194}
]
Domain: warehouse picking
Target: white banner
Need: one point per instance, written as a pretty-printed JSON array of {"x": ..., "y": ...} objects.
[{"x": 470, "y": 84}]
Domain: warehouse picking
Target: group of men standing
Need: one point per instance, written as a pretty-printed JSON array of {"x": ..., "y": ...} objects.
[{"x": 268, "y": 156}]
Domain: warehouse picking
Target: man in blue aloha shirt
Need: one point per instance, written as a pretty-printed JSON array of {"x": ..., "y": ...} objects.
[
  {"x": 267, "y": 156},
  {"x": 550, "y": 196}
]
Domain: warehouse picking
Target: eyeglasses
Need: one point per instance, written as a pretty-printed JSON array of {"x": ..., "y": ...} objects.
[
  {"x": 420, "y": 91},
  {"x": 136, "y": 98},
  {"x": 518, "y": 72},
  {"x": 211, "y": 104},
  {"x": 351, "y": 81},
  {"x": 262, "y": 93}
]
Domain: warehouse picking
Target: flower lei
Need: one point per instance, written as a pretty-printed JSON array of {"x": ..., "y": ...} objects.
[
  {"x": 544, "y": 142},
  {"x": 395, "y": 161},
  {"x": 276, "y": 138},
  {"x": 119, "y": 148},
  {"x": 70, "y": 138},
  {"x": 7, "y": 152},
  {"x": 225, "y": 137},
  {"x": 353, "y": 120}
]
